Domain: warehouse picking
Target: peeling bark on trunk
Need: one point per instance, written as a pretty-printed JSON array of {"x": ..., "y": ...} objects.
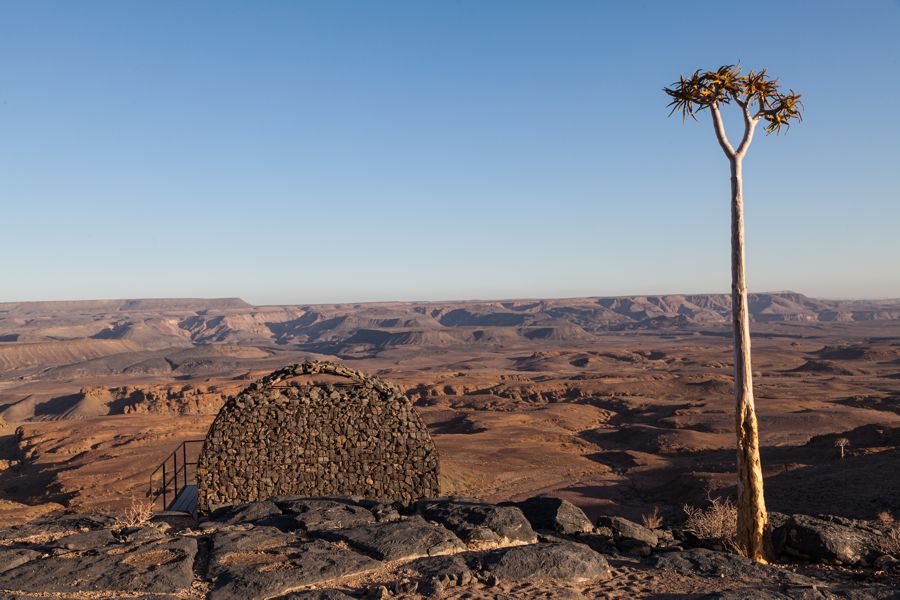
[{"x": 752, "y": 520}]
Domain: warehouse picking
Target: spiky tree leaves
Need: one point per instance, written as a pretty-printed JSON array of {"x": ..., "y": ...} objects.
[
  {"x": 759, "y": 98},
  {"x": 756, "y": 93}
]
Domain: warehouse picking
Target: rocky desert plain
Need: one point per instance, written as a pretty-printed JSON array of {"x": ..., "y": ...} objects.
[{"x": 622, "y": 406}]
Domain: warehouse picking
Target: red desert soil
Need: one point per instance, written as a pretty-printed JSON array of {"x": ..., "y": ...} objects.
[{"x": 618, "y": 404}]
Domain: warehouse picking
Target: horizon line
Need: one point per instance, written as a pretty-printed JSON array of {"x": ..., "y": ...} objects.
[{"x": 441, "y": 301}]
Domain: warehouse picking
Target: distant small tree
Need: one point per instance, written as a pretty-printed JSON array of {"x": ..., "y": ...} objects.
[
  {"x": 759, "y": 98},
  {"x": 841, "y": 443}
]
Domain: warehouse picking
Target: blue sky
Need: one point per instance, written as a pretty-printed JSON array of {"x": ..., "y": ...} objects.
[{"x": 293, "y": 152}]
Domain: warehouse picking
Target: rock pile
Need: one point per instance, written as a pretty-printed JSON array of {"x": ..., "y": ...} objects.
[{"x": 317, "y": 439}]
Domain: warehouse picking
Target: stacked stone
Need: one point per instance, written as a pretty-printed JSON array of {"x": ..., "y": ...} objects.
[{"x": 320, "y": 439}]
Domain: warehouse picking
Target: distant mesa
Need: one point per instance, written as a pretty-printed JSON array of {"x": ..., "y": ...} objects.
[
  {"x": 103, "y": 306},
  {"x": 195, "y": 337},
  {"x": 824, "y": 366},
  {"x": 858, "y": 352}
]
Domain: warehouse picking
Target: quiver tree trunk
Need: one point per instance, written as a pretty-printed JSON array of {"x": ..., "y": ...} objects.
[
  {"x": 752, "y": 521},
  {"x": 759, "y": 97}
]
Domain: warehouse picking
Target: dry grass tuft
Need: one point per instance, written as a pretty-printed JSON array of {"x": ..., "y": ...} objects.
[
  {"x": 138, "y": 515},
  {"x": 718, "y": 521},
  {"x": 652, "y": 521},
  {"x": 152, "y": 558}
]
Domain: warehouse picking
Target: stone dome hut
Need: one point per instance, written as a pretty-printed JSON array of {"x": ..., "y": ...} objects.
[{"x": 332, "y": 431}]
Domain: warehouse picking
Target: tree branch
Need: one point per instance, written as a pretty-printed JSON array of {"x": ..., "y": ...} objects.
[
  {"x": 749, "y": 125},
  {"x": 720, "y": 130},
  {"x": 763, "y": 112}
]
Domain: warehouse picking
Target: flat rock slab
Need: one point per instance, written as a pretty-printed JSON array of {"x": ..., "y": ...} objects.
[
  {"x": 410, "y": 538},
  {"x": 322, "y": 515},
  {"x": 317, "y": 595},
  {"x": 10, "y": 558},
  {"x": 555, "y": 514},
  {"x": 84, "y": 541},
  {"x": 257, "y": 539},
  {"x": 557, "y": 561},
  {"x": 709, "y": 563},
  {"x": 161, "y": 567},
  {"x": 478, "y": 522},
  {"x": 870, "y": 593},
  {"x": 143, "y": 534},
  {"x": 277, "y": 571},
  {"x": 247, "y": 513},
  {"x": 761, "y": 594},
  {"x": 62, "y": 524}
]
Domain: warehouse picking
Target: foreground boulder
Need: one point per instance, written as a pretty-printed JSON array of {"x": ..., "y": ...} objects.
[
  {"x": 396, "y": 540},
  {"x": 479, "y": 522},
  {"x": 724, "y": 565},
  {"x": 628, "y": 535},
  {"x": 324, "y": 515},
  {"x": 818, "y": 539},
  {"x": 432, "y": 575},
  {"x": 555, "y": 514},
  {"x": 565, "y": 561}
]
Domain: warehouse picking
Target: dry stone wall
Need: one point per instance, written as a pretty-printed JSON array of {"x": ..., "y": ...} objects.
[{"x": 362, "y": 438}]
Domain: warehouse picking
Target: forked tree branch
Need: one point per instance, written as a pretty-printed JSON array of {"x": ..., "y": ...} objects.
[
  {"x": 749, "y": 126},
  {"x": 720, "y": 130}
]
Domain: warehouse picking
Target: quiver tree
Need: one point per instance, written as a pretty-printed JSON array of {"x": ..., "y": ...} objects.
[
  {"x": 841, "y": 443},
  {"x": 759, "y": 97}
]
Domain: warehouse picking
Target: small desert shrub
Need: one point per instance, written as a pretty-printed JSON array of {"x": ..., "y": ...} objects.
[
  {"x": 137, "y": 515},
  {"x": 652, "y": 521},
  {"x": 718, "y": 521}
]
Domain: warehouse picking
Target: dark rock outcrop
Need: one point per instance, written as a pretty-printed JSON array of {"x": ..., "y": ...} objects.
[
  {"x": 436, "y": 573},
  {"x": 338, "y": 548},
  {"x": 565, "y": 561},
  {"x": 269, "y": 571},
  {"x": 824, "y": 540},
  {"x": 629, "y": 536},
  {"x": 555, "y": 514},
  {"x": 161, "y": 567},
  {"x": 396, "y": 540},
  {"x": 723, "y": 565},
  {"x": 476, "y": 522},
  {"x": 322, "y": 515}
]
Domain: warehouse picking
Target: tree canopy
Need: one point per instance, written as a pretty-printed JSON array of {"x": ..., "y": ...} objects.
[{"x": 758, "y": 95}]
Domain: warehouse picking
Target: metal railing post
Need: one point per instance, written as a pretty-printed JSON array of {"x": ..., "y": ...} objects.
[
  {"x": 172, "y": 472},
  {"x": 174, "y": 476}
]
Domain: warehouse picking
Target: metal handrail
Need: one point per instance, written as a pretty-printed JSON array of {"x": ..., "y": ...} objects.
[{"x": 175, "y": 471}]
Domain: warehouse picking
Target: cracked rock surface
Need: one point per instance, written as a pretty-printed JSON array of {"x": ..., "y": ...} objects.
[{"x": 340, "y": 548}]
